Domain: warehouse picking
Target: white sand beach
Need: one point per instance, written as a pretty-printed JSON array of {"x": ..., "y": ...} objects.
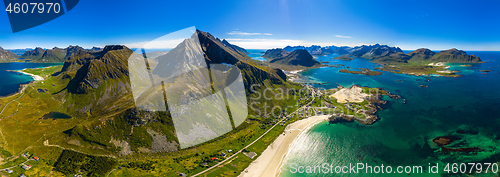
[
  {"x": 35, "y": 77},
  {"x": 270, "y": 161}
]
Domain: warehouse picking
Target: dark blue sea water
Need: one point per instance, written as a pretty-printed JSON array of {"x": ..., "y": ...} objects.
[
  {"x": 10, "y": 81},
  {"x": 465, "y": 107},
  {"x": 256, "y": 54}
]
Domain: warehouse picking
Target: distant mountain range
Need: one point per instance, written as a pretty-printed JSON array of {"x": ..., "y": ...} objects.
[
  {"x": 384, "y": 54},
  {"x": 54, "y": 55}
]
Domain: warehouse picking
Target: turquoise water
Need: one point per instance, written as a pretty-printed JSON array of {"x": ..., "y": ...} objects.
[
  {"x": 464, "y": 107},
  {"x": 11, "y": 81},
  {"x": 256, "y": 54}
]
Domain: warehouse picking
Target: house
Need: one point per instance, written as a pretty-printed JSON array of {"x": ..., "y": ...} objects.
[
  {"x": 204, "y": 164},
  {"x": 36, "y": 158},
  {"x": 9, "y": 170},
  {"x": 223, "y": 154},
  {"x": 182, "y": 174},
  {"x": 213, "y": 158},
  {"x": 22, "y": 175},
  {"x": 229, "y": 150},
  {"x": 26, "y": 167}
]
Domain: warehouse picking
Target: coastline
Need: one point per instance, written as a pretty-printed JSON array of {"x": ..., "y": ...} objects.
[
  {"x": 35, "y": 77},
  {"x": 269, "y": 163},
  {"x": 23, "y": 86}
]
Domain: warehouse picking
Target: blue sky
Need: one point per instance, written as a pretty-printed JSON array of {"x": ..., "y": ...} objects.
[{"x": 467, "y": 25}]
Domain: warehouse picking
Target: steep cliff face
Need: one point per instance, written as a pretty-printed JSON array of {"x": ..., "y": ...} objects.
[
  {"x": 298, "y": 57},
  {"x": 216, "y": 52},
  {"x": 7, "y": 56}
]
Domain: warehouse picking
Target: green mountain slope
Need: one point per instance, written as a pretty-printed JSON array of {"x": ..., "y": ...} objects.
[{"x": 298, "y": 57}]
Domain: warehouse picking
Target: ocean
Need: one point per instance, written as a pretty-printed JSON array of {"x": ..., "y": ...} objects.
[
  {"x": 11, "y": 81},
  {"x": 256, "y": 54},
  {"x": 465, "y": 108}
]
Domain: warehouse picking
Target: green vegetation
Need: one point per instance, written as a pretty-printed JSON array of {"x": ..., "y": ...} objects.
[
  {"x": 364, "y": 71},
  {"x": 72, "y": 162}
]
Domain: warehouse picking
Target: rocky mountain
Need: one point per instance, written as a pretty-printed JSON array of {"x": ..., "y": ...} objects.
[
  {"x": 98, "y": 87},
  {"x": 374, "y": 51},
  {"x": 54, "y": 55},
  {"x": 298, "y": 57},
  {"x": 34, "y": 54},
  {"x": 421, "y": 54},
  {"x": 234, "y": 47},
  {"x": 456, "y": 56},
  {"x": 7, "y": 56},
  {"x": 275, "y": 53}
]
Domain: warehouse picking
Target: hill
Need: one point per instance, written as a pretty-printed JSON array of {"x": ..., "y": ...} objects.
[
  {"x": 298, "y": 57},
  {"x": 7, "y": 56},
  {"x": 275, "y": 53}
]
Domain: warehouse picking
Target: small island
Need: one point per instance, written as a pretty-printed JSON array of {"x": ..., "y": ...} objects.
[
  {"x": 363, "y": 71},
  {"x": 344, "y": 57}
]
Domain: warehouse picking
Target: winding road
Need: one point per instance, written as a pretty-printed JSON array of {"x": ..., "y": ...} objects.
[{"x": 277, "y": 123}]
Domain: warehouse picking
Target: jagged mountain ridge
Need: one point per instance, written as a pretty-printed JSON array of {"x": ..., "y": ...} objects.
[{"x": 54, "y": 55}]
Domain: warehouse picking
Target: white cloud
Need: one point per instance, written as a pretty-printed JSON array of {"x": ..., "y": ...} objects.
[
  {"x": 275, "y": 43},
  {"x": 248, "y": 34},
  {"x": 340, "y": 36}
]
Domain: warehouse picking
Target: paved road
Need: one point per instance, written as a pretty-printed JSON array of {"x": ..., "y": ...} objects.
[{"x": 220, "y": 163}]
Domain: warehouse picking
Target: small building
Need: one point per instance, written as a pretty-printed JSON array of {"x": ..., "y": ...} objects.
[
  {"x": 204, "y": 164},
  {"x": 182, "y": 174},
  {"x": 22, "y": 175},
  {"x": 223, "y": 154},
  {"x": 36, "y": 158},
  {"x": 230, "y": 151},
  {"x": 9, "y": 170},
  {"x": 26, "y": 167},
  {"x": 214, "y": 158}
]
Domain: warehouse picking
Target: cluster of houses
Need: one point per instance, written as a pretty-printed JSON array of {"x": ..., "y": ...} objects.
[{"x": 26, "y": 155}]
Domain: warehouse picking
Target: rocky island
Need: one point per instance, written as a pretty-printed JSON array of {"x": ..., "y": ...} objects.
[{"x": 355, "y": 103}]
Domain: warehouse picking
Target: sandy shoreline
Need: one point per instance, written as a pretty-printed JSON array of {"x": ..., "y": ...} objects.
[
  {"x": 270, "y": 161},
  {"x": 35, "y": 77}
]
